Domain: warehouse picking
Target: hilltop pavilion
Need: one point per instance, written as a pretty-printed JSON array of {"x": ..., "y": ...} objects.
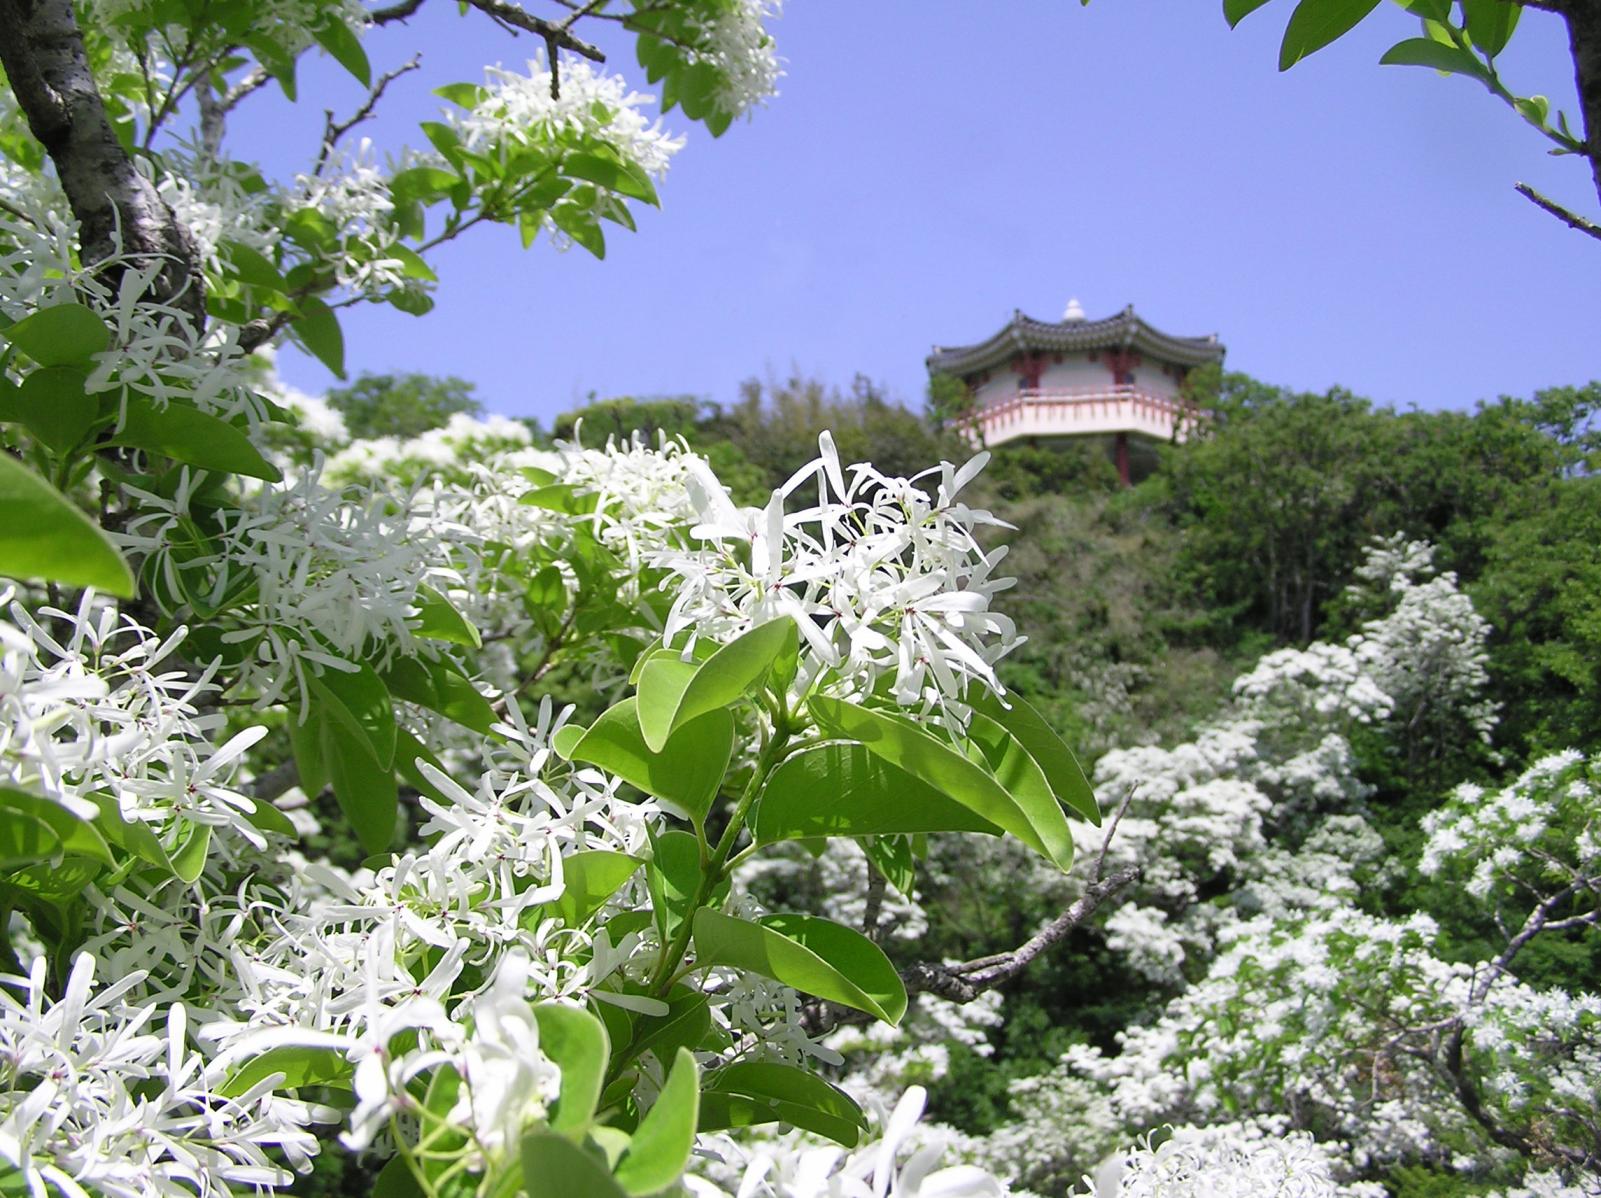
[{"x": 1115, "y": 379}]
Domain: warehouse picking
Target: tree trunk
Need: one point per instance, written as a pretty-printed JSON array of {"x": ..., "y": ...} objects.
[
  {"x": 117, "y": 208},
  {"x": 1584, "y": 39}
]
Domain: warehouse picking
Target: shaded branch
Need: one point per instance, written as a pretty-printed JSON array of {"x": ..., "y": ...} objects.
[
  {"x": 555, "y": 35},
  {"x": 1572, "y": 219},
  {"x": 395, "y": 12}
]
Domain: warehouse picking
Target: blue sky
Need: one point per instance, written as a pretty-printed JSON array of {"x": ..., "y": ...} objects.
[{"x": 932, "y": 165}]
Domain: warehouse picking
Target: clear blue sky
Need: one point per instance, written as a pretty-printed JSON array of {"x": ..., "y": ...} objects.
[{"x": 931, "y": 165}]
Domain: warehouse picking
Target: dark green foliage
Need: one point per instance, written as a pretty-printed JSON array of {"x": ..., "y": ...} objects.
[{"x": 401, "y": 405}]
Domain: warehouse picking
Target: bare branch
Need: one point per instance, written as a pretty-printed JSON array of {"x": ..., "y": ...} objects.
[
  {"x": 334, "y": 130},
  {"x": 555, "y": 35},
  {"x": 1572, "y": 219},
  {"x": 966, "y": 981},
  {"x": 1111, "y": 830}
]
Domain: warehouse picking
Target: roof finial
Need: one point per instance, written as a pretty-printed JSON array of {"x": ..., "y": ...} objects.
[{"x": 1075, "y": 311}]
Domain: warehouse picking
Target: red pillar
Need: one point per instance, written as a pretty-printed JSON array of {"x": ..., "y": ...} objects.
[{"x": 1122, "y": 460}]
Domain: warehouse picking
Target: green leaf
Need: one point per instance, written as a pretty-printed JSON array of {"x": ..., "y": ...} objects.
[
  {"x": 61, "y": 335},
  {"x": 623, "y": 178},
  {"x": 892, "y": 856},
  {"x": 685, "y": 1025},
  {"x": 318, "y": 330},
  {"x": 44, "y": 536},
  {"x": 1316, "y": 23},
  {"x": 1235, "y": 11},
  {"x": 1490, "y": 23},
  {"x": 132, "y": 837},
  {"x": 438, "y": 686},
  {"x": 77, "y": 836},
  {"x": 591, "y": 878},
  {"x": 673, "y": 692},
  {"x": 1426, "y": 52},
  {"x": 554, "y": 1167},
  {"x": 253, "y": 268},
  {"x": 305, "y": 742},
  {"x": 660, "y": 1147},
  {"x": 577, "y": 1042},
  {"x": 341, "y": 42},
  {"x": 301, "y": 1065},
  {"x": 748, "y": 1093},
  {"x": 687, "y": 772},
  {"x": 365, "y": 789},
  {"x": 581, "y": 225},
  {"x": 438, "y": 620},
  {"x": 1041, "y": 826},
  {"x": 190, "y": 859},
  {"x": 359, "y": 700},
  {"x": 560, "y": 497},
  {"x": 25, "y": 840},
  {"x": 396, "y": 1180},
  {"x": 187, "y": 434},
  {"x": 1062, "y": 770},
  {"x": 844, "y": 790},
  {"x": 55, "y": 406},
  {"x": 463, "y": 95},
  {"x": 673, "y": 874},
  {"x": 813, "y": 955}
]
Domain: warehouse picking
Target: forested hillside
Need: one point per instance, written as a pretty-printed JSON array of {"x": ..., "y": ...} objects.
[{"x": 1336, "y": 668}]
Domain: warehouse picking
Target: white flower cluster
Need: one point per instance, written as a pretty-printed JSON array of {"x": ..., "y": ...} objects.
[
  {"x": 1538, "y": 834},
  {"x": 93, "y": 706},
  {"x": 734, "y": 41},
  {"x": 1234, "y": 1160},
  {"x": 883, "y": 577}
]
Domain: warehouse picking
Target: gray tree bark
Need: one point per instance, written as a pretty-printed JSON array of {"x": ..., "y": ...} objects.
[{"x": 42, "y": 51}]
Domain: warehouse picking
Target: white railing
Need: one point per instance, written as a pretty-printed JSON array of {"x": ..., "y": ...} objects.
[{"x": 1084, "y": 411}]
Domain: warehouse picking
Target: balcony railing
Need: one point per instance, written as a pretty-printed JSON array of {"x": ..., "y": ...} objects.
[{"x": 1084, "y": 411}]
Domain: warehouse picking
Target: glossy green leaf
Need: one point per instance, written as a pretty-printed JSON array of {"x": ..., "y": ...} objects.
[
  {"x": 396, "y": 1180},
  {"x": 660, "y": 1147},
  {"x": 438, "y": 620},
  {"x": 438, "y": 686},
  {"x": 687, "y": 772},
  {"x": 673, "y": 692},
  {"x": 305, "y": 743},
  {"x": 189, "y": 861},
  {"x": 685, "y": 1025},
  {"x": 673, "y": 874},
  {"x": 748, "y": 1093},
  {"x": 623, "y": 178},
  {"x": 1062, "y": 770},
  {"x": 577, "y": 1042},
  {"x": 365, "y": 789},
  {"x": 1041, "y": 826},
  {"x": 554, "y": 1167},
  {"x": 591, "y": 878},
  {"x": 1426, "y": 52},
  {"x": 1316, "y": 23},
  {"x": 841, "y": 789},
  {"x": 55, "y": 406},
  {"x": 813, "y": 955},
  {"x": 253, "y": 268},
  {"x": 301, "y": 1065},
  {"x": 318, "y": 330},
  {"x": 1490, "y": 23},
  {"x": 45, "y": 536},
  {"x": 345, "y": 47},
  {"x": 61, "y": 335},
  {"x": 25, "y": 840},
  {"x": 77, "y": 837},
  {"x": 1235, "y": 11},
  {"x": 133, "y": 837},
  {"x": 893, "y": 857},
  {"x": 359, "y": 701},
  {"x": 188, "y": 435}
]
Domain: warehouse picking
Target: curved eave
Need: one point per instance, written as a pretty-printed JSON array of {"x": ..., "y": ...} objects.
[{"x": 1023, "y": 334}]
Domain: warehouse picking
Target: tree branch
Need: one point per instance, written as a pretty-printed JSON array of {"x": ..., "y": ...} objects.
[
  {"x": 555, "y": 35},
  {"x": 395, "y": 12},
  {"x": 333, "y": 130},
  {"x": 118, "y": 210},
  {"x": 1572, "y": 219}
]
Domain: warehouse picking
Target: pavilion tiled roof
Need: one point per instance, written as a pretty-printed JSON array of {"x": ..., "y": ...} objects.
[{"x": 1024, "y": 334}]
